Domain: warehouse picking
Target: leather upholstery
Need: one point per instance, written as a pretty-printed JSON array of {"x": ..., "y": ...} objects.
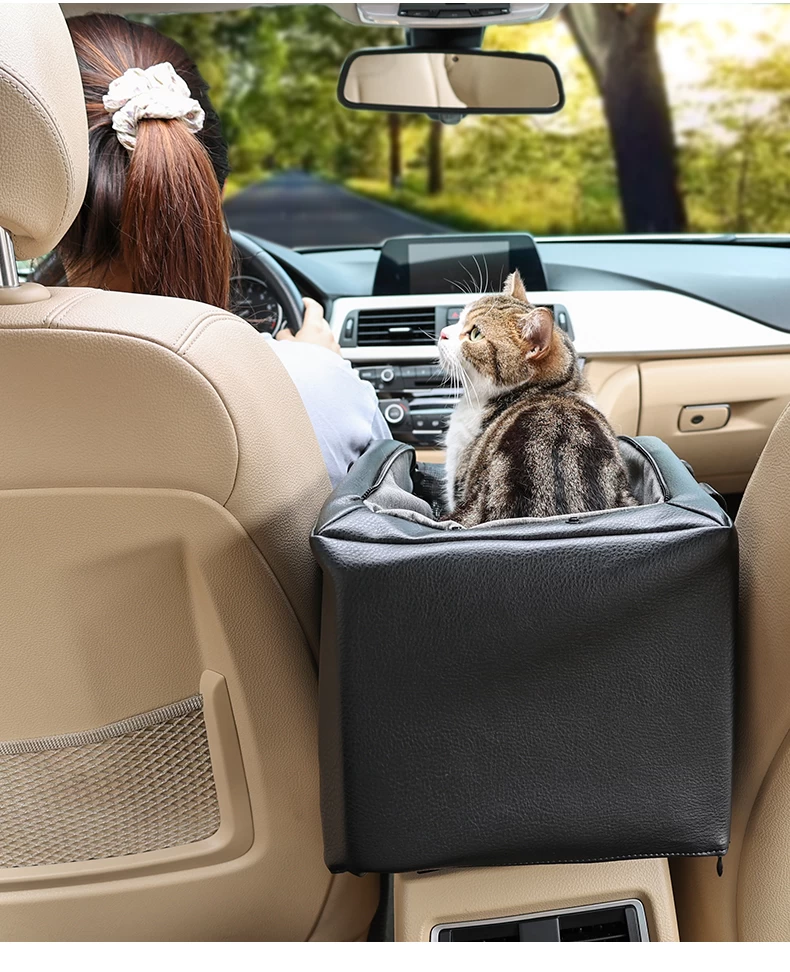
[
  {"x": 43, "y": 128},
  {"x": 116, "y": 390},
  {"x": 158, "y": 482},
  {"x": 112, "y": 404},
  {"x": 557, "y": 690},
  {"x": 751, "y": 900}
]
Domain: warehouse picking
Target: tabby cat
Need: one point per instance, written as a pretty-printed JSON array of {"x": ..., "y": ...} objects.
[{"x": 525, "y": 438}]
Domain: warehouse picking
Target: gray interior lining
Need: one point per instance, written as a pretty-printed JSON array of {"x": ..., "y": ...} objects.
[{"x": 396, "y": 494}]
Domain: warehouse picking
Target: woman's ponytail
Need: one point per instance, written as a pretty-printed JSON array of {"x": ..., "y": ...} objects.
[
  {"x": 174, "y": 239},
  {"x": 152, "y": 216}
]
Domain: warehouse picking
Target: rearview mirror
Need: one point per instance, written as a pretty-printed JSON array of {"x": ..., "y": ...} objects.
[{"x": 455, "y": 82}]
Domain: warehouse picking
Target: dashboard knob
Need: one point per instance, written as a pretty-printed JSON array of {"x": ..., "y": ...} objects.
[
  {"x": 387, "y": 374},
  {"x": 394, "y": 413}
]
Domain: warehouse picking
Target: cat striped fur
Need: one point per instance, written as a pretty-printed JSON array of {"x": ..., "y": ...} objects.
[{"x": 525, "y": 440}]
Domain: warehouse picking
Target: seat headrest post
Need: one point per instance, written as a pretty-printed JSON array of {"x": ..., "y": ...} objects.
[
  {"x": 11, "y": 290},
  {"x": 8, "y": 272}
]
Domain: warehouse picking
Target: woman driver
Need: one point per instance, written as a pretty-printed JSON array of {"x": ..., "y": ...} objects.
[{"x": 152, "y": 220}]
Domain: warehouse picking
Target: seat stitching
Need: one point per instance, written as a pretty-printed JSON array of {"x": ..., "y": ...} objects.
[
  {"x": 63, "y": 308},
  {"x": 200, "y": 328},
  {"x": 190, "y": 326}
]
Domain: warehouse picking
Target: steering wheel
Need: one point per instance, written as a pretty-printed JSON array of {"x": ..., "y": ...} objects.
[{"x": 282, "y": 287}]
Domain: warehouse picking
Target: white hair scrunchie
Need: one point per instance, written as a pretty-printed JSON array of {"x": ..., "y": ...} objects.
[{"x": 156, "y": 92}]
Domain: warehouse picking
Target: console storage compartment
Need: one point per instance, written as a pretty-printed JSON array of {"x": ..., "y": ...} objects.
[{"x": 527, "y": 691}]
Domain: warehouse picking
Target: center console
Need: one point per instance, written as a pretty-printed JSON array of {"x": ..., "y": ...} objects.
[{"x": 414, "y": 399}]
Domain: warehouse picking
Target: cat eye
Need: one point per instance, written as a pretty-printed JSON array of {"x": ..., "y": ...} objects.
[{"x": 475, "y": 334}]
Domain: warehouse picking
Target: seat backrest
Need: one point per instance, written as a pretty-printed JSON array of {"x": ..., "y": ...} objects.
[
  {"x": 750, "y": 901},
  {"x": 158, "y": 481}
]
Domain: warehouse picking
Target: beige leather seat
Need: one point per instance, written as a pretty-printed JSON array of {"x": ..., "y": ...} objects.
[
  {"x": 751, "y": 900},
  {"x": 160, "y": 609}
]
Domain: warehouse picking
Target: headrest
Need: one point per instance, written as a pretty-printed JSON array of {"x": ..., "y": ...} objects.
[{"x": 43, "y": 127}]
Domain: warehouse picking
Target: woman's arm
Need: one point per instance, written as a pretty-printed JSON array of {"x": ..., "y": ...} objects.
[{"x": 343, "y": 409}]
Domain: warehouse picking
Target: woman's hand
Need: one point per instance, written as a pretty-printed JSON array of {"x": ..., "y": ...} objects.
[{"x": 314, "y": 329}]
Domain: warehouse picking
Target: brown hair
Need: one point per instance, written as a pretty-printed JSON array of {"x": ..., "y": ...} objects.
[{"x": 156, "y": 210}]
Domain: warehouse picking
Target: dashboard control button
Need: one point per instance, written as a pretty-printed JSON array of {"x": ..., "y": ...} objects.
[
  {"x": 387, "y": 375},
  {"x": 454, "y": 314},
  {"x": 394, "y": 413},
  {"x": 368, "y": 374},
  {"x": 408, "y": 372}
]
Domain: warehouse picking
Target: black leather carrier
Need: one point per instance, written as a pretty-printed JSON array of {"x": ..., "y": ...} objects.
[{"x": 544, "y": 690}]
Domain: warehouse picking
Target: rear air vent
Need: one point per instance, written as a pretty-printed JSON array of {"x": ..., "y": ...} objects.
[
  {"x": 611, "y": 925},
  {"x": 618, "y": 922},
  {"x": 404, "y": 326}
]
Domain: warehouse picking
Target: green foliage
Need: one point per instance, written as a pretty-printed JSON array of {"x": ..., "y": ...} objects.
[
  {"x": 735, "y": 168},
  {"x": 273, "y": 75}
]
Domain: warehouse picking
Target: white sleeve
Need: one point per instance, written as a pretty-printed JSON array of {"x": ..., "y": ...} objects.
[{"x": 343, "y": 409}]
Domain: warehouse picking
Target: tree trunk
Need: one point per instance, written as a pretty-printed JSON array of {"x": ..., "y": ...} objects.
[
  {"x": 618, "y": 41},
  {"x": 435, "y": 170},
  {"x": 393, "y": 126},
  {"x": 740, "y": 222}
]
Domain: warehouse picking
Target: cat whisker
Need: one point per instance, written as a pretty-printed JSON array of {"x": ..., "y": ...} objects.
[
  {"x": 471, "y": 385},
  {"x": 455, "y": 377},
  {"x": 479, "y": 273},
  {"x": 466, "y": 385},
  {"x": 468, "y": 272}
]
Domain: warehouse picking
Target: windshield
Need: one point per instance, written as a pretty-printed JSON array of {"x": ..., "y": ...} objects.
[{"x": 677, "y": 120}]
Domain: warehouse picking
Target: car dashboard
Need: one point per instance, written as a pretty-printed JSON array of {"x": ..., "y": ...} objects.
[{"x": 687, "y": 339}]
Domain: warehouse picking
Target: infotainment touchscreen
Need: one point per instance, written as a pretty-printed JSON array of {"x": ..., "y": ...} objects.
[{"x": 450, "y": 264}]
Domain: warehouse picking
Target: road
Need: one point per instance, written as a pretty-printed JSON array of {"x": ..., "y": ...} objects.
[{"x": 297, "y": 209}]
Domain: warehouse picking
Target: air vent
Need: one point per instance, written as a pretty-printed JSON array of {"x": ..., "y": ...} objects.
[
  {"x": 403, "y": 326},
  {"x": 622, "y": 921},
  {"x": 612, "y": 925}
]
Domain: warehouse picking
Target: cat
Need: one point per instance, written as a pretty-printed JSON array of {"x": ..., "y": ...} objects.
[{"x": 525, "y": 440}]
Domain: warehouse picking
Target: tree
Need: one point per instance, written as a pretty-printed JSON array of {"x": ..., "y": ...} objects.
[
  {"x": 735, "y": 161},
  {"x": 618, "y": 42},
  {"x": 396, "y": 165},
  {"x": 435, "y": 169},
  {"x": 273, "y": 74}
]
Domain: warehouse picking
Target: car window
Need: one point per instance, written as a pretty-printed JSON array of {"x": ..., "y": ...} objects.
[{"x": 675, "y": 121}]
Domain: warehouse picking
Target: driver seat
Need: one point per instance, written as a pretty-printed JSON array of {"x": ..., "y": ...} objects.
[{"x": 160, "y": 610}]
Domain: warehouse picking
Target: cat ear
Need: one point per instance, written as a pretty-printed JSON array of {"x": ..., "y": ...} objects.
[
  {"x": 514, "y": 287},
  {"x": 537, "y": 328}
]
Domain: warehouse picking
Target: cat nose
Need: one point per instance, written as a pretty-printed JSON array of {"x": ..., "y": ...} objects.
[{"x": 444, "y": 336}]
